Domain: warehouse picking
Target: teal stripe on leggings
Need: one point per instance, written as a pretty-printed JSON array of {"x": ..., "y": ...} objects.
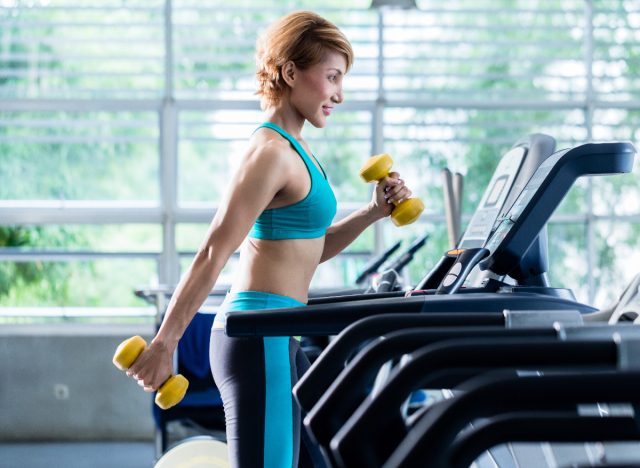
[{"x": 278, "y": 418}]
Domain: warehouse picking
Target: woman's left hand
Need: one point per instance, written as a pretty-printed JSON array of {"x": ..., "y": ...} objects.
[{"x": 389, "y": 192}]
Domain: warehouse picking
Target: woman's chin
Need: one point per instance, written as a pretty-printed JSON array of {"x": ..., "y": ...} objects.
[{"x": 318, "y": 122}]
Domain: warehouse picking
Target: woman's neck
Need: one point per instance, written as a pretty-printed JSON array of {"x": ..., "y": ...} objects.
[{"x": 287, "y": 118}]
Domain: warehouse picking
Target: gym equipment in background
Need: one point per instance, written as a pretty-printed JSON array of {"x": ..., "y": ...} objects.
[
  {"x": 452, "y": 188},
  {"x": 196, "y": 452},
  {"x": 372, "y": 266},
  {"x": 390, "y": 278}
]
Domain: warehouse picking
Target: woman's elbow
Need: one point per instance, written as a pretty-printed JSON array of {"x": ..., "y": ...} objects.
[
  {"x": 211, "y": 257},
  {"x": 205, "y": 253},
  {"x": 219, "y": 245}
]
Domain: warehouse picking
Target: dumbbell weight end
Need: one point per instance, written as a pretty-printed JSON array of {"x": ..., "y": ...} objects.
[
  {"x": 128, "y": 351},
  {"x": 172, "y": 391},
  {"x": 407, "y": 212}
]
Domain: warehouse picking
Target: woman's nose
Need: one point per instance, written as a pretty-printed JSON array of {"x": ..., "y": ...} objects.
[{"x": 338, "y": 97}]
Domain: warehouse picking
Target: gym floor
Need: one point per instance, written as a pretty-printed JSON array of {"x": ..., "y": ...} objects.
[
  {"x": 77, "y": 455},
  {"x": 139, "y": 454}
]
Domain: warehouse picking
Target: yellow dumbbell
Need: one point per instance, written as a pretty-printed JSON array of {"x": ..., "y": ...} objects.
[
  {"x": 378, "y": 167},
  {"x": 171, "y": 392}
]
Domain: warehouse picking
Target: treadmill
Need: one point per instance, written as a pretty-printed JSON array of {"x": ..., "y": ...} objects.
[{"x": 506, "y": 240}]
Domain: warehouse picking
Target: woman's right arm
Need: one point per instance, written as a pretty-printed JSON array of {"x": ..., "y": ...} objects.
[{"x": 261, "y": 175}]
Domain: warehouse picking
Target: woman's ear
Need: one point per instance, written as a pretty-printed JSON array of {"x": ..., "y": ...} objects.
[{"x": 289, "y": 73}]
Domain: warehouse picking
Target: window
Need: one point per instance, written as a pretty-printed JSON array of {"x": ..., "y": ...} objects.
[{"x": 119, "y": 125}]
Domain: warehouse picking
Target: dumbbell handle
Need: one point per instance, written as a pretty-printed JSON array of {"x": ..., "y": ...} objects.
[{"x": 170, "y": 392}]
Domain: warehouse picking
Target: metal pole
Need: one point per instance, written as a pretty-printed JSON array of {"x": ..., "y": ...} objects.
[
  {"x": 169, "y": 268},
  {"x": 591, "y": 249},
  {"x": 377, "y": 130}
]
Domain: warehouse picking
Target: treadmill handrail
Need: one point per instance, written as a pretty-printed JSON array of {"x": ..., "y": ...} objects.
[
  {"x": 314, "y": 383},
  {"x": 549, "y": 426},
  {"x": 327, "y": 367},
  {"x": 431, "y": 363},
  {"x": 331, "y": 319},
  {"x": 447, "y": 418},
  {"x": 349, "y": 389}
]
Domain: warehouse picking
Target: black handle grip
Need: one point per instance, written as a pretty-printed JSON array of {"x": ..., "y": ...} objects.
[
  {"x": 433, "y": 279},
  {"x": 465, "y": 262}
]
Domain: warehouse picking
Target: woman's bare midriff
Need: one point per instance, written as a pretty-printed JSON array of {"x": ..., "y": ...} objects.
[{"x": 282, "y": 267}]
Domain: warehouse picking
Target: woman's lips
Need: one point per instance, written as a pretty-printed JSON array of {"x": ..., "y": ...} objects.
[{"x": 326, "y": 110}]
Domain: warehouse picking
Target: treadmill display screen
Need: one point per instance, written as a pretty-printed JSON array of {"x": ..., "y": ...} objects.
[{"x": 493, "y": 199}]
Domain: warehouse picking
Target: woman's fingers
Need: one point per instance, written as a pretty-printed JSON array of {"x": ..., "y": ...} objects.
[
  {"x": 403, "y": 195},
  {"x": 144, "y": 375},
  {"x": 395, "y": 190},
  {"x": 147, "y": 384}
]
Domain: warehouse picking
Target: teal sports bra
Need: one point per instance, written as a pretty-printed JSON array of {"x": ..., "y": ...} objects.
[{"x": 307, "y": 219}]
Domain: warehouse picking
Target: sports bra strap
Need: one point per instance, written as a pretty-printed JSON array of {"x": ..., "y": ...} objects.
[
  {"x": 308, "y": 218},
  {"x": 297, "y": 146}
]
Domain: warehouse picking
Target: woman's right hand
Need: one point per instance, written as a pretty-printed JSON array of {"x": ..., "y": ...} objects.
[{"x": 153, "y": 367}]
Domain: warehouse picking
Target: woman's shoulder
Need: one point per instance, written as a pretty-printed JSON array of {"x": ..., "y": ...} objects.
[
  {"x": 265, "y": 148},
  {"x": 262, "y": 164}
]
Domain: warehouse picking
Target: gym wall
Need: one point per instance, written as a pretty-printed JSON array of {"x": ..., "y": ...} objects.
[{"x": 58, "y": 383}]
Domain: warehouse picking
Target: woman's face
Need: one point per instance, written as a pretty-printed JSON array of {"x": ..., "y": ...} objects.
[{"x": 319, "y": 88}]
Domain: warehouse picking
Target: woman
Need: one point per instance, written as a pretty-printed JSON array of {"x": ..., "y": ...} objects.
[{"x": 281, "y": 205}]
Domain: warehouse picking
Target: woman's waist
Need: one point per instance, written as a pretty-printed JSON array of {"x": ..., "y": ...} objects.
[
  {"x": 305, "y": 252},
  {"x": 295, "y": 286},
  {"x": 284, "y": 275},
  {"x": 245, "y": 300}
]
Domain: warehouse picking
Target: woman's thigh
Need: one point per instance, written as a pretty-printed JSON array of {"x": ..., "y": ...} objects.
[{"x": 255, "y": 378}]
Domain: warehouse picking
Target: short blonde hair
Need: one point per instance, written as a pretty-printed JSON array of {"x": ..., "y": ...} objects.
[{"x": 302, "y": 37}]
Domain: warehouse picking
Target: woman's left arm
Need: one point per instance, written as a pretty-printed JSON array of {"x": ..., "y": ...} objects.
[{"x": 339, "y": 235}]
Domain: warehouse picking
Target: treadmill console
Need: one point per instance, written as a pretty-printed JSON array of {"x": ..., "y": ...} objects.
[
  {"x": 493, "y": 199},
  {"x": 518, "y": 228}
]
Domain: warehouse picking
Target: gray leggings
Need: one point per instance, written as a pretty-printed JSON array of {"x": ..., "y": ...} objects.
[{"x": 263, "y": 422}]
